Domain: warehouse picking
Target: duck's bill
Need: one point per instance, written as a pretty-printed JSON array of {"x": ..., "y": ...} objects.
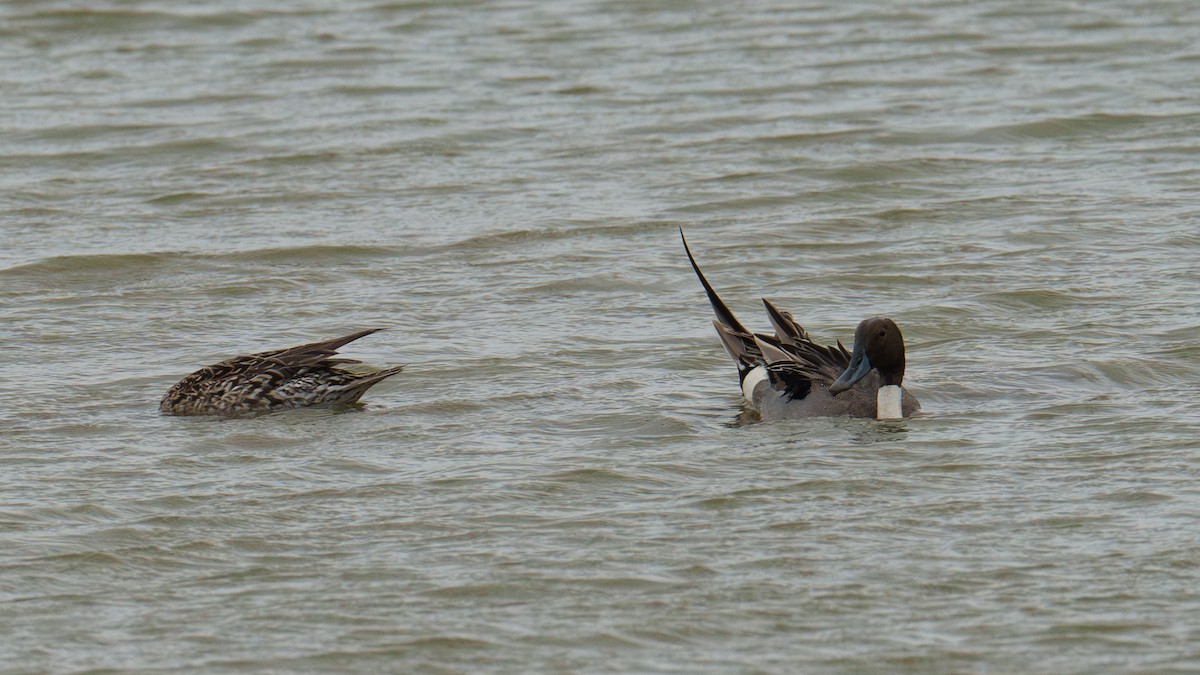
[{"x": 859, "y": 366}]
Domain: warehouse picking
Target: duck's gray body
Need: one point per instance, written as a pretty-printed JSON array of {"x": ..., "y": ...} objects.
[
  {"x": 787, "y": 375},
  {"x": 860, "y": 400}
]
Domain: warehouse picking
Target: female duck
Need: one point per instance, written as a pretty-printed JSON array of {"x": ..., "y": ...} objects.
[{"x": 276, "y": 380}]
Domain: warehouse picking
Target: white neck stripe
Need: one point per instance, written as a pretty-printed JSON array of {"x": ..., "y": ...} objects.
[{"x": 888, "y": 403}]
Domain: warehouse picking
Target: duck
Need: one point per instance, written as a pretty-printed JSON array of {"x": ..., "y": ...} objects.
[
  {"x": 280, "y": 379},
  {"x": 787, "y": 375}
]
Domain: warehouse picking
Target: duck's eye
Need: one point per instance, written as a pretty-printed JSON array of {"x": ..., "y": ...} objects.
[{"x": 882, "y": 332}]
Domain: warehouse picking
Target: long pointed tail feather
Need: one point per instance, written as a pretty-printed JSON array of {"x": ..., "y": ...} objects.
[
  {"x": 738, "y": 342},
  {"x": 722, "y": 310},
  {"x": 333, "y": 344},
  {"x": 315, "y": 352}
]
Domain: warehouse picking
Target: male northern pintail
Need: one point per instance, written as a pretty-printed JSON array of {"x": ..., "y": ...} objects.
[
  {"x": 787, "y": 375},
  {"x": 276, "y": 380}
]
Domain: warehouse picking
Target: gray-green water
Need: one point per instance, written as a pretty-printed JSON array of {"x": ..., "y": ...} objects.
[{"x": 560, "y": 482}]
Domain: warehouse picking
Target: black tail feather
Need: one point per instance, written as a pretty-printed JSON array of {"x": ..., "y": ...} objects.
[{"x": 719, "y": 307}]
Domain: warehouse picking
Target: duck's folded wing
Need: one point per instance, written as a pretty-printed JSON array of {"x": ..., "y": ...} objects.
[
  {"x": 787, "y": 331},
  {"x": 790, "y": 378},
  {"x": 824, "y": 361},
  {"x": 795, "y": 362},
  {"x": 741, "y": 347}
]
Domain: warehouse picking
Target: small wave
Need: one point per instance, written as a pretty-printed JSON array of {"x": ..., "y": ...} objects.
[
  {"x": 108, "y": 263},
  {"x": 325, "y": 253},
  {"x": 90, "y": 263},
  {"x": 1074, "y": 127}
]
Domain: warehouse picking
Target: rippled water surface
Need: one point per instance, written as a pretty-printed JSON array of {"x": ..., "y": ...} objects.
[{"x": 562, "y": 479}]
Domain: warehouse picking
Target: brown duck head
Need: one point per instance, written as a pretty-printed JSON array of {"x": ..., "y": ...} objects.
[{"x": 878, "y": 345}]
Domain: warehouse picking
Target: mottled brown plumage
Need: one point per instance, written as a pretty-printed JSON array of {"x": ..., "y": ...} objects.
[{"x": 275, "y": 380}]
